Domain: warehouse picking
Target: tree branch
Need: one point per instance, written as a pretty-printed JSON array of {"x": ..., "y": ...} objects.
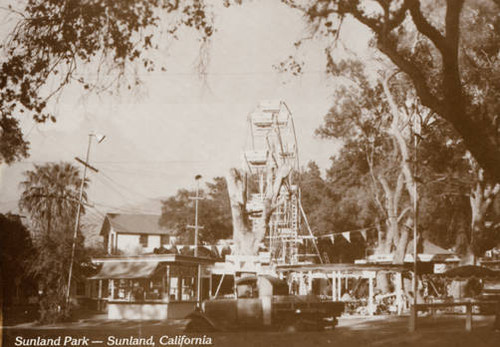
[
  {"x": 424, "y": 27},
  {"x": 427, "y": 98},
  {"x": 451, "y": 74}
]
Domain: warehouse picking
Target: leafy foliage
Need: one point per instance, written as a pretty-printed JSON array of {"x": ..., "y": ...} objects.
[
  {"x": 369, "y": 163},
  {"x": 333, "y": 207},
  {"x": 53, "y": 41},
  {"x": 214, "y": 213},
  {"x": 16, "y": 249},
  {"x": 448, "y": 49},
  {"x": 50, "y": 197}
]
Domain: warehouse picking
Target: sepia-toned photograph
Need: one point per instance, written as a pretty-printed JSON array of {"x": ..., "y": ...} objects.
[{"x": 237, "y": 173}]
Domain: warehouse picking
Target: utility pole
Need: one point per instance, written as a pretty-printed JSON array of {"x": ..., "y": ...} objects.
[
  {"x": 100, "y": 138},
  {"x": 196, "y": 227},
  {"x": 414, "y": 312}
]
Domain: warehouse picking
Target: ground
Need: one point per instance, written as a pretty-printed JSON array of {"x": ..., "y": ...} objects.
[{"x": 373, "y": 331}]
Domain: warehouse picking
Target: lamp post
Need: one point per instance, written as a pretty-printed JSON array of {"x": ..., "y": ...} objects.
[{"x": 99, "y": 138}]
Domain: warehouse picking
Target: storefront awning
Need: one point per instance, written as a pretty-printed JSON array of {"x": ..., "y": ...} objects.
[{"x": 126, "y": 270}]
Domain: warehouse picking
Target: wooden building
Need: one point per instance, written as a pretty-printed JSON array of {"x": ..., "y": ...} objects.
[{"x": 134, "y": 233}]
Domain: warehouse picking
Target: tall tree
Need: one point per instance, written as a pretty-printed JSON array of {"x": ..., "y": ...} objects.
[
  {"x": 17, "y": 248},
  {"x": 481, "y": 197},
  {"x": 363, "y": 116},
  {"x": 318, "y": 199},
  {"x": 250, "y": 224},
  {"x": 375, "y": 121},
  {"x": 335, "y": 204},
  {"x": 214, "y": 213},
  {"x": 217, "y": 216},
  {"x": 50, "y": 197},
  {"x": 449, "y": 50}
]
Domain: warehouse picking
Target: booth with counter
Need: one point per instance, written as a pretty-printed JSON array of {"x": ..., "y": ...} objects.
[{"x": 150, "y": 287}]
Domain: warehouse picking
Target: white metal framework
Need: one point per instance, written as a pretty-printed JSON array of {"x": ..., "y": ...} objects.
[{"x": 271, "y": 147}]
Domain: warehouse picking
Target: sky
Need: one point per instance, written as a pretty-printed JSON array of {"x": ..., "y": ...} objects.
[{"x": 175, "y": 126}]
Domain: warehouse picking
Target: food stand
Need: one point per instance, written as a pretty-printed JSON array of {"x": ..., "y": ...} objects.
[{"x": 152, "y": 286}]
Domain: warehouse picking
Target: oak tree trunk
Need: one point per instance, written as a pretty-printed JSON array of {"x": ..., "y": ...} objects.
[{"x": 249, "y": 227}]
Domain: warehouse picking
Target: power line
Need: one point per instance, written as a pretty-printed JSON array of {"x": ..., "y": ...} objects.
[
  {"x": 117, "y": 188},
  {"x": 123, "y": 186},
  {"x": 127, "y": 210},
  {"x": 150, "y": 161},
  {"x": 125, "y": 199},
  {"x": 141, "y": 171}
]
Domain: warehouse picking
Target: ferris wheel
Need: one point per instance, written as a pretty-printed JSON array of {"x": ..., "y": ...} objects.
[{"x": 271, "y": 147}]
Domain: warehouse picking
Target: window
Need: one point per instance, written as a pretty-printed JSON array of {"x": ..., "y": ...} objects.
[
  {"x": 154, "y": 290},
  {"x": 137, "y": 290},
  {"x": 143, "y": 240},
  {"x": 182, "y": 283},
  {"x": 247, "y": 290},
  {"x": 164, "y": 240},
  {"x": 188, "y": 288},
  {"x": 121, "y": 289},
  {"x": 174, "y": 288}
]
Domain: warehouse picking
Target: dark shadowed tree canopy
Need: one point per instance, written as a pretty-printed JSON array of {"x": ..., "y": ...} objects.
[
  {"x": 16, "y": 248},
  {"x": 449, "y": 49},
  {"x": 53, "y": 41}
]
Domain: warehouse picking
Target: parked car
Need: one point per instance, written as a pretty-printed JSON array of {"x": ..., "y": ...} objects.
[
  {"x": 262, "y": 302},
  {"x": 490, "y": 293}
]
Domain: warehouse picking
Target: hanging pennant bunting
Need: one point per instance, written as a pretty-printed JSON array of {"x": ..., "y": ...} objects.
[
  {"x": 363, "y": 234},
  {"x": 332, "y": 239},
  {"x": 347, "y": 236},
  {"x": 219, "y": 249}
]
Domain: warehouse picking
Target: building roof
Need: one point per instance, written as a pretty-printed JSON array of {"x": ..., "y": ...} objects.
[
  {"x": 133, "y": 224},
  {"x": 469, "y": 271},
  {"x": 328, "y": 268},
  {"x": 427, "y": 252},
  {"x": 126, "y": 270},
  {"x": 155, "y": 258},
  {"x": 428, "y": 248}
]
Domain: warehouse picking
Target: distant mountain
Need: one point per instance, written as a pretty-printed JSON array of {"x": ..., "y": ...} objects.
[{"x": 149, "y": 206}]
